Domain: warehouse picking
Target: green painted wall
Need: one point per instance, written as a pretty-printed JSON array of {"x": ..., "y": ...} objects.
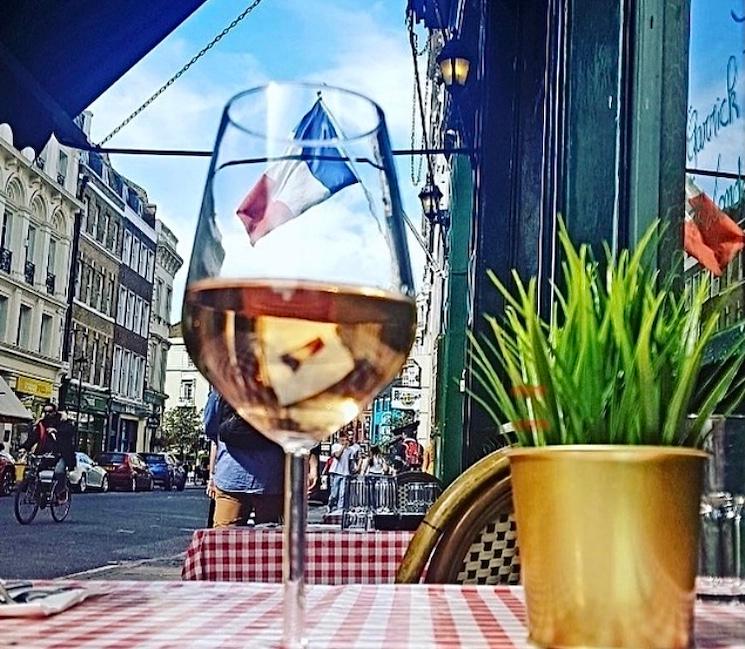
[{"x": 452, "y": 347}]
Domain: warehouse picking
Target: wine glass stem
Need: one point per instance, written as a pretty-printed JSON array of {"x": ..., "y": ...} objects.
[{"x": 293, "y": 559}]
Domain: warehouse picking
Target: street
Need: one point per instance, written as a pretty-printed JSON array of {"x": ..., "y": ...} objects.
[{"x": 102, "y": 529}]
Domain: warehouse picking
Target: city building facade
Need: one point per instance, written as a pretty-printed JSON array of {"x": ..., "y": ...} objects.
[
  {"x": 132, "y": 323},
  {"x": 88, "y": 395},
  {"x": 167, "y": 264},
  {"x": 37, "y": 214},
  {"x": 184, "y": 385}
]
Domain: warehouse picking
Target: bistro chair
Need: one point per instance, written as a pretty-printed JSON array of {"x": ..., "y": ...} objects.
[{"x": 468, "y": 536}]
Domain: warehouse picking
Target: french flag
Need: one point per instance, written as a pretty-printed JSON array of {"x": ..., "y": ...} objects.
[
  {"x": 289, "y": 187},
  {"x": 710, "y": 235}
]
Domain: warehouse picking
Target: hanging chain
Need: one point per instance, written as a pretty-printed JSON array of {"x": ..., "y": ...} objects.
[
  {"x": 176, "y": 76},
  {"x": 416, "y": 168},
  {"x": 416, "y": 173}
]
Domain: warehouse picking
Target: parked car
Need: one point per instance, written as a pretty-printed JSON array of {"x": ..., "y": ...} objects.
[
  {"x": 167, "y": 472},
  {"x": 126, "y": 471},
  {"x": 88, "y": 475},
  {"x": 7, "y": 476}
]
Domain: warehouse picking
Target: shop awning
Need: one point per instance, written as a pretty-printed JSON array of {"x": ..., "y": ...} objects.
[
  {"x": 57, "y": 57},
  {"x": 11, "y": 409}
]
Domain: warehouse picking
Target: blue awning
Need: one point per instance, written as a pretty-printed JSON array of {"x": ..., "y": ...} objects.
[{"x": 58, "y": 56}]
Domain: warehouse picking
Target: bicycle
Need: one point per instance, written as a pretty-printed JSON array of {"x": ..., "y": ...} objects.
[{"x": 39, "y": 489}]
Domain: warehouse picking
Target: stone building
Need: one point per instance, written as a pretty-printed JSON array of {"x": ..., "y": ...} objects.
[
  {"x": 132, "y": 323},
  {"x": 37, "y": 207},
  {"x": 185, "y": 386},
  {"x": 88, "y": 396},
  {"x": 167, "y": 264}
]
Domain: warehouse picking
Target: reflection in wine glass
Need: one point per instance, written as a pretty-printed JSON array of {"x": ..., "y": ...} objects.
[{"x": 299, "y": 305}]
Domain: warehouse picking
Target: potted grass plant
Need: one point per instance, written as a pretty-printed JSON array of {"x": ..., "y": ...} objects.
[{"x": 609, "y": 411}]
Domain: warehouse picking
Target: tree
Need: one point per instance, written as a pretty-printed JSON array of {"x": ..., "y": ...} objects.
[{"x": 182, "y": 427}]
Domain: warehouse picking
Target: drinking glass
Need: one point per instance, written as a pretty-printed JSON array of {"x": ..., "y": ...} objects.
[
  {"x": 299, "y": 304},
  {"x": 722, "y": 551}
]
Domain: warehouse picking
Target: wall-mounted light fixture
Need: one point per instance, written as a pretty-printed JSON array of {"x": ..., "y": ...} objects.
[
  {"x": 454, "y": 62},
  {"x": 430, "y": 197}
]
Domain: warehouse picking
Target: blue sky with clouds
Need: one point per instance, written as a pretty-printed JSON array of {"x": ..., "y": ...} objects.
[
  {"x": 361, "y": 46},
  {"x": 717, "y": 92}
]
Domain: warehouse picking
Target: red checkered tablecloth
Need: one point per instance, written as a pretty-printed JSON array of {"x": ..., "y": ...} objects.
[
  {"x": 333, "y": 556},
  {"x": 160, "y": 615}
]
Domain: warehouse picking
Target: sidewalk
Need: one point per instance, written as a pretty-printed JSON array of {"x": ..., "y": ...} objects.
[
  {"x": 158, "y": 569},
  {"x": 161, "y": 569}
]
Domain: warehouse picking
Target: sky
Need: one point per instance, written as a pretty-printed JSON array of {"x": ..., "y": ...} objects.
[
  {"x": 717, "y": 93},
  {"x": 360, "y": 46}
]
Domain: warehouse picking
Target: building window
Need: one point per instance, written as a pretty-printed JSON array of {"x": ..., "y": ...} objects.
[
  {"x": 157, "y": 291},
  {"x": 96, "y": 302},
  {"x": 88, "y": 287},
  {"x": 121, "y": 306},
  {"x": 125, "y": 372},
  {"x": 3, "y": 316},
  {"x": 127, "y": 250},
  {"x": 137, "y": 323},
  {"x": 102, "y": 227},
  {"x": 78, "y": 271},
  {"x": 52, "y": 257},
  {"x": 6, "y": 230},
  {"x": 145, "y": 319},
  {"x": 92, "y": 221},
  {"x": 62, "y": 168},
  {"x": 116, "y": 235},
  {"x": 24, "y": 327},
  {"x": 92, "y": 358},
  {"x": 169, "y": 295},
  {"x": 110, "y": 295},
  {"x": 30, "y": 244},
  {"x": 116, "y": 368},
  {"x": 130, "y": 310},
  {"x": 135, "y": 253},
  {"x": 45, "y": 335},
  {"x": 150, "y": 266},
  {"x": 187, "y": 390}
]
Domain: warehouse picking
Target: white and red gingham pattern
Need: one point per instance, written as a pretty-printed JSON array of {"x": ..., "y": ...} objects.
[
  {"x": 333, "y": 556},
  {"x": 160, "y": 615}
]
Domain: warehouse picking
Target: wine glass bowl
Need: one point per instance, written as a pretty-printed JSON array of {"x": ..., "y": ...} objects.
[{"x": 299, "y": 304}]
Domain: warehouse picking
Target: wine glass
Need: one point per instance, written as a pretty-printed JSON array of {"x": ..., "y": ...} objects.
[{"x": 299, "y": 304}]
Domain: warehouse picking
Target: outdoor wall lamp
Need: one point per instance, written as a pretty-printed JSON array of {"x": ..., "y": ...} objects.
[
  {"x": 454, "y": 64},
  {"x": 430, "y": 197}
]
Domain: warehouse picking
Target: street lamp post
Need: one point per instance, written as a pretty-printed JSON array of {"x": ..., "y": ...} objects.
[{"x": 82, "y": 363}]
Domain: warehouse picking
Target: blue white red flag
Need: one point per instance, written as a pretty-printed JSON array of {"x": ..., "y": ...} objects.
[{"x": 290, "y": 187}]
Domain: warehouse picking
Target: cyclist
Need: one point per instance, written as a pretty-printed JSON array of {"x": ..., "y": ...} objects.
[{"x": 53, "y": 434}]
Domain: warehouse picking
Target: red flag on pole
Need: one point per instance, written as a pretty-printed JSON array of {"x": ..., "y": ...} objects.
[{"x": 710, "y": 236}]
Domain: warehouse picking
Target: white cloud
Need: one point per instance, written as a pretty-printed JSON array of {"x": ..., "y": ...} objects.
[{"x": 361, "y": 52}]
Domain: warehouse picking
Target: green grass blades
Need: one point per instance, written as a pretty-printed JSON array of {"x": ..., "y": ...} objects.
[{"x": 617, "y": 362}]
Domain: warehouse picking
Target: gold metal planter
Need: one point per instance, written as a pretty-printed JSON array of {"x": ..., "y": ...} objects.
[{"x": 608, "y": 543}]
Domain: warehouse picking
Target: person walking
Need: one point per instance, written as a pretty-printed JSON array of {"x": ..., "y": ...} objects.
[
  {"x": 375, "y": 464},
  {"x": 343, "y": 456},
  {"x": 246, "y": 468}
]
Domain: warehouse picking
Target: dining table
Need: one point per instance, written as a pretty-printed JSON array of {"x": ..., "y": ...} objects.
[
  {"x": 333, "y": 556},
  {"x": 161, "y": 615}
]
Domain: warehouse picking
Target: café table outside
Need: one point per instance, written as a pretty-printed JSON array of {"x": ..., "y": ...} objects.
[
  {"x": 231, "y": 615},
  {"x": 334, "y": 556}
]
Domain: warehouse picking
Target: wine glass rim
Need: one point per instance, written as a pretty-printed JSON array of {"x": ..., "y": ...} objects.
[{"x": 320, "y": 87}]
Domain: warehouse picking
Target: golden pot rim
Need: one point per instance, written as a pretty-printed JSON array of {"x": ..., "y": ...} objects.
[{"x": 625, "y": 452}]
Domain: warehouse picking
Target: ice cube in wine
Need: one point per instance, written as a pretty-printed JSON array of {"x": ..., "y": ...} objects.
[{"x": 297, "y": 359}]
